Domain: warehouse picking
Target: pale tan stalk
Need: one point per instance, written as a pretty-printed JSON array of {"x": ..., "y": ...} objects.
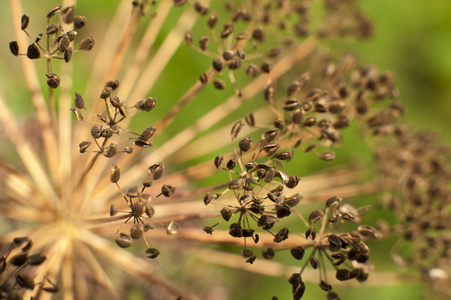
[
  {"x": 142, "y": 52},
  {"x": 67, "y": 271},
  {"x": 27, "y": 155},
  {"x": 161, "y": 58},
  {"x": 32, "y": 81}
]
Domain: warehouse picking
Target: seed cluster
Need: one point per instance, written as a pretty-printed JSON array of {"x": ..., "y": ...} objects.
[
  {"x": 59, "y": 43},
  {"x": 15, "y": 267}
]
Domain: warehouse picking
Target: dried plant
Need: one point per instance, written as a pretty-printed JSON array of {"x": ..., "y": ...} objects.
[{"x": 120, "y": 183}]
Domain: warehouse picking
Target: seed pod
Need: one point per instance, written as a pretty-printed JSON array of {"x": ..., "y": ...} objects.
[
  {"x": 67, "y": 14},
  {"x": 87, "y": 44},
  {"x": 235, "y": 230},
  {"x": 292, "y": 181},
  {"x": 314, "y": 262},
  {"x": 226, "y": 213},
  {"x": 231, "y": 164},
  {"x": 79, "y": 22},
  {"x": 297, "y": 252},
  {"x": 219, "y": 84},
  {"x": 33, "y": 52},
  {"x": 113, "y": 210},
  {"x": 212, "y": 20},
  {"x": 167, "y": 190},
  {"x": 245, "y": 144},
  {"x": 14, "y": 48},
  {"x": 241, "y": 53},
  {"x": 325, "y": 286},
  {"x": 270, "y": 93},
  {"x": 25, "y": 281},
  {"x": 136, "y": 232},
  {"x": 235, "y": 64},
  {"x": 36, "y": 259},
  {"x": 19, "y": 259},
  {"x": 228, "y": 55},
  {"x": 203, "y": 10},
  {"x": 53, "y": 80},
  {"x": 281, "y": 235},
  {"x": 63, "y": 43},
  {"x": 310, "y": 233},
  {"x": 25, "y": 20},
  {"x": 68, "y": 54},
  {"x": 258, "y": 34},
  {"x": 237, "y": 127},
  {"x": 147, "y": 133},
  {"x": 110, "y": 151},
  {"x": 252, "y": 71},
  {"x": 315, "y": 216},
  {"x": 342, "y": 274},
  {"x": 266, "y": 67},
  {"x": 334, "y": 200},
  {"x": 123, "y": 240},
  {"x": 334, "y": 243},
  {"x": 53, "y": 11},
  {"x": 203, "y": 42},
  {"x": 298, "y": 286},
  {"x": 152, "y": 253},
  {"x": 218, "y": 65},
  {"x": 218, "y": 160},
  {"x": 250, "y": 120},
  {"x": 270, "y": 148},
  {"x": 83, "y": 146},
  {"x": 156, "y": 171},
  {"x": 115, "y": 174},
  {"x": 228, "y": 30},
  {"x": 284, "y": 155},
  {"x": 79, "y": 102},
  {"x": 268, "y": 253},
  {"x": 327, "y": 156}
]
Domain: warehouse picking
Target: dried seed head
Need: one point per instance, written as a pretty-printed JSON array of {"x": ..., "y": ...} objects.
[
  {"x": 236, "y": 128},
  {"x": 53, "y": 80},
  {"x": 115, "y": 174},
  {"x": 297, "y": 252},
  {"x": 292, "y": 181},
  {"x": 79, "y": 102},
  {"x": 110, "y": 151},
  {"x": 218, "y": 160},
  {"x": 245, "y": 144},
  {"x": 146, "y": 105},
  {"x": 123, "y": 240},
  {"x": 231, "y": 164},
  {"x": 87, "y": 44},
  {"x": 79, "y": 22},
  {"x": 152, "y": 252},
  {"x": 63, "y": 42},
  {"x": 167, "y": 190},
  {"x": 68, "y": 54},
  {"x": 203, "y": 42},
  {"x": 315, "y": 216},
  {"x": 173, "y": 228},
  {"x": 226, "y": 213},
  {"x": 14, "y": 48},
  {"x": 24, "y": 22},
  {"x": 136, "y": 232},
  {"x": 327, "y": 156},
  {"x": 332, "y": 201},
  {"x": 33, "y": 52},
  {"x": 147, "y": 133},
  {"x": 281, "y": 235},
  {"x": 212, "y": 20},
  {"x": 53, "y": 11},
  {"x": 83, "y": 146},
  {"x": 156, "y": 171},
  {"x": 219, "y": 84}
]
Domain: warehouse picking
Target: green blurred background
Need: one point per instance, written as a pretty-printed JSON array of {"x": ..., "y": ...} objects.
[{"x": 412, "y": 38}]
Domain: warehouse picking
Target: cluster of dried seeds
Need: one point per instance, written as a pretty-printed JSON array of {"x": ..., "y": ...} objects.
[
  {"x": 16, "y": 274},
  {"x": 59, "y": 43}
]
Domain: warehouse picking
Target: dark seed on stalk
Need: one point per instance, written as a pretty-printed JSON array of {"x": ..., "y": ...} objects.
[
  {"x": 203, "y": 43},
  {"x": 115, "y": 174},
  {"x": 208, "y": 229},
  {"x": 87, "y": 44},
  {"x": 33, "y": 52},
  {"x": 203, "y": 78},
  {"x": 19, "y": 259},
  {"x": 79, "y": 102},
  {"x": 53, "y": 11},
  {"x": 25, "y": 281},
  {"x": 79, "y": 22},
  {"x": 228, "y": 55},
  {"x": 167, "y": 190},
  {"x": 250, "y": 120},
  {"x": 14, "y": 48},
  {"x": 212, "y": 20},
  {"x": 24, "y": 22},
  {"x": 113, "y": 210},
  {"x": 327, "y": 156},
  {"x": 152, "y": 253},
  {"x": 281, "y": 235},
  {"x": 236, "y": 129},
  {"x": 218, "y": 160},
  {"x": 342, "y": 274},
  {"x": 235, "y": 230},
  {"x": 314, "y": 262},
  {"x": 231, "y": 164},
  {"x": 228, "y": 30},
  {"x": 218, "y": 65},
  {"x": 315, "y": 216},
  {"x": 53, "y": 80},
  {"x": 245, "y": 144},
  {"x": 84, "y": 146},
  {"x": 266, "y": 67},
  {"x": 63, "y": 43},
  {"x": 67, "y": 14},
  {"x": 268, "y": 253},
  {"x": 68, "y": 54},
  {"x": 188, "y": 38},
  {"x": 252, "y": 71},
  {"x": 156, "y": 171},
  {"x": 310, "y": 233},
  {"x": 36, "y": 259},
  {"x": 219, "y": 84},
  {"x": 325, "y": 286},
  {"x": 235, "y": 63},
  {"x": 297, "y": 252},
  {"x": 110, "y": 151}
]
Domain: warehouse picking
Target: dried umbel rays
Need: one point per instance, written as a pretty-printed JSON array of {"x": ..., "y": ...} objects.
[
  {"x": 321, "y": 245},
  {"x": 140, "y": 209},
  {"x": 59, "y": 41},
  {"x": 17, "y": 266},
  {"x": 108, "y": 125}
]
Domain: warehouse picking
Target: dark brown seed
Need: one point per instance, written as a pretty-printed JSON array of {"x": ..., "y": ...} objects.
[
  {"x": 228, "y": 30},
  {"x": 314, "y": 262},
  {"x": 226, "y": 213},
  {"x": 67, "y": 14},
  {"x": 25, "y": 281},
  {"x": 292, "y": 181},
  {"x": 167, "y": 190},
  {"x": 266, "y": 67},
  {"x": 53, "y": 80},
  {"x": 281, "y": 235},
  {"x": 342, "y": 274},
  {"x": 241, "y": 36},
  {"x": 245, "y": 144},
  {"x": 14, "y": 48},
  {"x": 325, "y": 286},
  {"x": 270, "y": 148},
  {"x": 203, "y": 43},
  {"x": 334, "y": 200},
  {"x": 269, "y": 93},
  {"x": 212, "y": 20},
  {"x": 310, "y": 148},
  {"x": 218, "y": 65},
  {"x": 235, "y": 64},
  {"x": 258, "y": 34},
  {"x": 53, "y": 11},
  {"x": 136, "y": 232},
  {"x": 241, "y": 53},
  {"x": 219, "y": 84},
  {"x": 269, "y": 136},
  {"x": 115, "y": 174},
  {"x": 68, "y": 54},
  {"x": 19, "y": 259},
  {"x": 110, "y": 151},
  {"x": 310, "y": 233},
  {"x": 231, "y": 164},
  {"x": 147, "y": 133},
  {"x": 33, "y": 52},
  {"x": 24, "y": 22},
  {"x": 203, "y": 78},
  {"x": 228, "y": 55},
  {"x": 315, "y": 216},
  {"x": 156, "y": 171},
  {"x": 236, "y": 129},
  {"x": 297, "y": 252},
  {"x": 208, "y": 229},
  {"x": 84, "y": 146},
  {"x": 268, "y": 253},
  {"x": 36, "y": 259},
  {"x": 250, "y": 120},
  {"x": 113, "y": 210},
  {"x": 235, "y": 230},
  {"x": 79, "y": 102},
  {"x": 252, "y": 71},
  {"x": 218, "y": 160},
  {"x": 79, "y": 22},
  {"x": 152, "y": 253},
  {"x": 87, "y": 44},
  {"x": 142, "y": 144}
]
